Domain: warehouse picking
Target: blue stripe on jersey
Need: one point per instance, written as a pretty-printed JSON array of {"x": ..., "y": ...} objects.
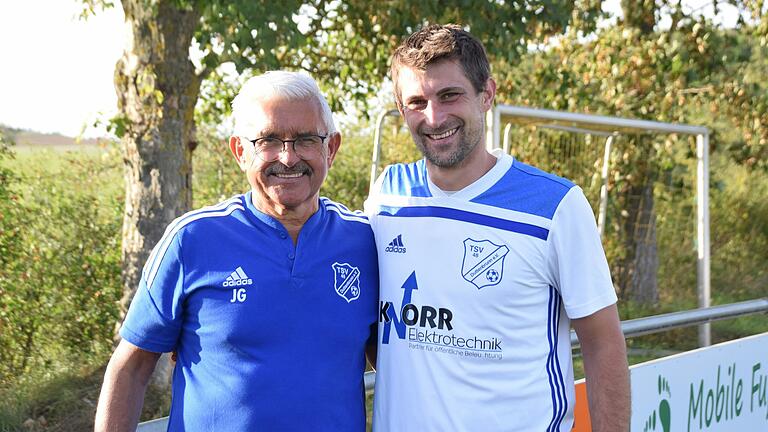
[
  {"x": 465, "y": 216},
  {"x": 406, "y": 180},
  {"x": 555, "y": 374},
  {"x": 526, "y": 189},
  {"x": 172, "y": 226},
  {"x": 220, "y": 206},
  {"x": 564, "y": 406},
  {"x": 156, "y": 257},
  {"x": 343, "y": 211}
]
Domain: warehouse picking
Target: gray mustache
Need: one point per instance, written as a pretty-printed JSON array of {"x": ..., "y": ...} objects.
[{"x": 279, "y": 168}]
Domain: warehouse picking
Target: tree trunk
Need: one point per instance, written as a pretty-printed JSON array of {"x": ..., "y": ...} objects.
[
  {"x": 638, "y": 270},
  {"x": 643, "y": 285},
  {"x": 157, "y": 90}
]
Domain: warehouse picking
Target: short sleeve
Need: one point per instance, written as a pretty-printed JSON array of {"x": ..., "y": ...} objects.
[
  {"x": 154, "y": 318},
  {"x": 577, "y": 263}
]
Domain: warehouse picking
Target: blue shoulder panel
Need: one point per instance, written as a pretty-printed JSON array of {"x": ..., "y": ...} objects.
[
  {"x": 406, "y": 180},
  {"x": 526, "y": 189}
]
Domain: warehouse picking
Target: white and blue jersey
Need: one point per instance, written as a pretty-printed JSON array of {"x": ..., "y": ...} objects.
[
  {"x": 477, "y": 289},
  {"x": 269, "y": 335}
]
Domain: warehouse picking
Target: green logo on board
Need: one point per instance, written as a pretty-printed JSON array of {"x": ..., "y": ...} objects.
[{"x": 661, "y": 416}]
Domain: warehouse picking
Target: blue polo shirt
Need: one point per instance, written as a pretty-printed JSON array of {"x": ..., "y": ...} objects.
[{"x": 269, "y": 335}]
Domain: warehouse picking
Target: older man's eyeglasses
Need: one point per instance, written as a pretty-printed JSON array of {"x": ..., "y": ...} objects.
[{"x": 306, "y": 147}]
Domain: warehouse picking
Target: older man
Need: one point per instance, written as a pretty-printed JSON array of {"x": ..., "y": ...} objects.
[
  {"x": 495, "y": 260},
  {"x": 267, "y": 298}
]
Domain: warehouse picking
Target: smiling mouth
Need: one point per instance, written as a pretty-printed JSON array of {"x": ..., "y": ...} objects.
[
  {"x": 288, "y": 175},
  {"x": 443, "y": 135}
]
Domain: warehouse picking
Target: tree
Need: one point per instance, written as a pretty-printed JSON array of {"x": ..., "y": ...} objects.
[{"x": 694, "y": 72}]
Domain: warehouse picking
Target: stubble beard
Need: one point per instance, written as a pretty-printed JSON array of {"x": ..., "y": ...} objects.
[{"x": 467, "y": 142}]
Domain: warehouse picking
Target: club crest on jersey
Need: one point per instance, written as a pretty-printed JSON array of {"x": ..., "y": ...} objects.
[
  {"x": 483, "y": 263},
  {"x": 346, "y": 281}
]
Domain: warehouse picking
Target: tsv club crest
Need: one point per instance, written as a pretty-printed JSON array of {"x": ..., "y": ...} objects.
[
  {"x": 483, "y": 262},
  {"x": 346, "y": 281}
]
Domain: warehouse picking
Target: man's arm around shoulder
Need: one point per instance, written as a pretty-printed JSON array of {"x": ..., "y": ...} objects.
[
  {"x": 604, "y": 352},
  {"x": 125, "y": 382}
]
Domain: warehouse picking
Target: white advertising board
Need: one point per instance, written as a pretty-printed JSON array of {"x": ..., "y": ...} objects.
[{"x": 719, "y": 388}]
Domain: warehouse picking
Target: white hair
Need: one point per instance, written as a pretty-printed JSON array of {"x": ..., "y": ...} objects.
[{"x": 283, "y": 84}]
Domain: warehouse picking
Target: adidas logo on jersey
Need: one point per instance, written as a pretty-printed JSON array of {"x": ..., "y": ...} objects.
[
  {"x": 237, "y": 278},
  {"x": 396, "y": 245}
]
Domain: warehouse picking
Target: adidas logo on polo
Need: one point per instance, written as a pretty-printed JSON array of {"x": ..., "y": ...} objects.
[
  {"x": 396, "y": 245},
  {"x": 238, "y": 278}
]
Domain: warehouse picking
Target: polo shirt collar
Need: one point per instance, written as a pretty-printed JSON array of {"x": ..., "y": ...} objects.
[{"x": 268, "y": 220}]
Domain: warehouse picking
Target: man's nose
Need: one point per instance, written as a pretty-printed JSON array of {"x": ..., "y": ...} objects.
[
  {"x": 288, "y": 156},
  {"x": 434, "y": 114}
]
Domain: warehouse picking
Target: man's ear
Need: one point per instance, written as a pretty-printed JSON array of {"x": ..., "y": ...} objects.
[
  {"x": 236, "y": 147},
  {"x": 489, "y": 93},
  {"x": 334, "y": 142}
]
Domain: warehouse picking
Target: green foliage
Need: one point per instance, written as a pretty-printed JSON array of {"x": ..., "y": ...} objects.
[
  {"x": 63, "y": 400},
  {"x": 61, "y": 281},
  {"x": 10, "y": 211},
  {"x": 739, "y": 223},
  {"x": 254, "y": 35},
  {"x": 739, "y": 251},
  {"x": 11, "y": 218},
  {"x": 215, "y": 102},
  {"x": 695, "y": 73},
  {"x": 44, "y": 401},
  {"x": 217, "y": 176},
  {"x": 349, "y": 179},
  {"x": 346, "y": 45},
  {"x": 91, "y": 7}
]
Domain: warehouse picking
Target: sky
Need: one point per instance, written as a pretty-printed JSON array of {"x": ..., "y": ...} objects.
[{"x": 57, "y": 69}]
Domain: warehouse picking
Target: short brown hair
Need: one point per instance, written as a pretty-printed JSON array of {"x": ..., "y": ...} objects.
[{"x": 442, "y": 42}]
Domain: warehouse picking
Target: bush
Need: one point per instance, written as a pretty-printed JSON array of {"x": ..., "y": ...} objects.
[
  {"x": 216, "y": 175},
  {"x": 10, "y": 252},
  {"x": 61, "y": 280},
  {"x": 739, "y": 237}
]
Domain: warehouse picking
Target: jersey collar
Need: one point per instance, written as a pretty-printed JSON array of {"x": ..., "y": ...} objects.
[
  {"x": 275, "y": 224},
  {"x": 502, "y": 165}
]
